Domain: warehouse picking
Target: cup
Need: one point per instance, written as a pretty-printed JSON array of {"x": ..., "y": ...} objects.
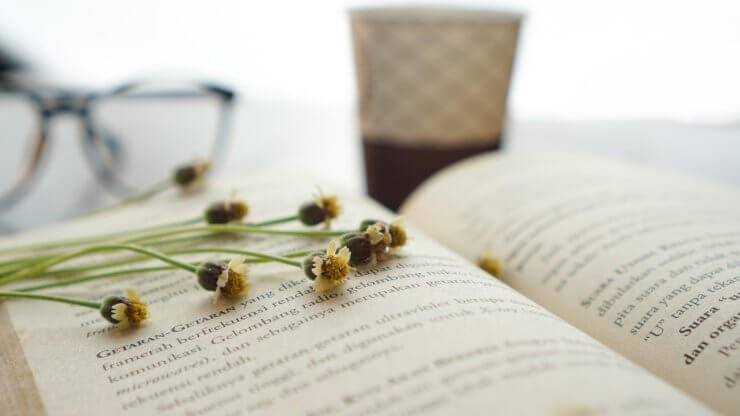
[{"x": 432, "y": 88}]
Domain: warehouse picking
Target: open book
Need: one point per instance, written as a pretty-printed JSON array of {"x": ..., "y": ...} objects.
[{"x": 618, "y": 295}]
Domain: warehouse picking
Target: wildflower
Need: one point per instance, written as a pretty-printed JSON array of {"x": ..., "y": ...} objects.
[
  {"x": 124, "y": 312},
  {"x": 380, "y": 238},
  {"x": 328, "y": 270},
  {"x": 324, "y": 208},
  {"x": 360, "y": 247},
  {"x": 224, "y": 212},
  {"x": 366, "y": 223},
  {"x": 229, "y": 280},
  {"x": 189, "y": 175},
  {"x": 398, "y": 234},
  {"x": 490, "y": 264}
]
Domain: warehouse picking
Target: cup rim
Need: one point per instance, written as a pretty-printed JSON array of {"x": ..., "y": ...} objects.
[{"x": 435, "y": 14}]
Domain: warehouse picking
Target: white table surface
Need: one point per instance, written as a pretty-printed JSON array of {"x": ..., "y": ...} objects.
[{"x": 325, "y": 144}]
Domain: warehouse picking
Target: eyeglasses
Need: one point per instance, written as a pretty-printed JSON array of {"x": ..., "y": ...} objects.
[{"x": 133, "y": 136}]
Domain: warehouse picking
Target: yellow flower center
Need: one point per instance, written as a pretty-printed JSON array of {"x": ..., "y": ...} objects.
[
  {"x": 136, "y": 312},
  {"x": 398, "y": 236},
  {"x": 334, "y": 268},
  {"x": 330, "y": 206},
  {"x": 490, "y": 265},
  {"x": 236, "y": 285},
  {"x": 239, "y": 210}
]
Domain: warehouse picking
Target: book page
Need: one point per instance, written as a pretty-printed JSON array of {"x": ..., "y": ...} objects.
[
  {"x": 423, "y": 333},
  {"x": 646, "y": 262}
]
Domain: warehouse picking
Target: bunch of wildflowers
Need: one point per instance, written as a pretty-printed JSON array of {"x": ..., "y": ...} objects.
[
  {"x": 374, "y": 240},
  {"x": 328, "y": 268}
]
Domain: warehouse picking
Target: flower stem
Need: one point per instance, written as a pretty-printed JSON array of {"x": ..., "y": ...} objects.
[
  {"x": 88, "y": 239},
  {"x": 139, "y": 196},
  {"x": 235, "y": 228},
  {"x": 170, "y": 241},
  {"x": 275, "y": 221},
  {"x": 39, "y": 268},
  {"x": 128, "y": 260},
  {"x": 39, "y": 296},
  {"x": 67, "y": 282},
  {"x": 11, "y": 266},
  {"x": 71, "y": 281},
  {"x": 67, "y": 243},
  {"x": 257, "y": 254}
]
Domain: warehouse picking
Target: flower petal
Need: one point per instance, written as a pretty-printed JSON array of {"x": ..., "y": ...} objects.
[
  {"x": 223, "y": 278},
  {"x": 344, "y": 254},
  {"x": 322, "y": 284},
  {"x": 119, "y": 312},
  {"x": 132, "y": 295},
  {"x": 236, "y": 261},
  {"x": 318, "y": 266},
  {"x": 332, "y": 249}
]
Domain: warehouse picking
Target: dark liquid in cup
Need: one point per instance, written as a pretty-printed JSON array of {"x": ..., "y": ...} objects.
[{"x": 394, "y": 171}]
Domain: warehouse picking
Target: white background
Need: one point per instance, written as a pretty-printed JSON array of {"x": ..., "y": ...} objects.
[
  {"x": 579, "y": 59},
  {"x": 652, "y": 81}
]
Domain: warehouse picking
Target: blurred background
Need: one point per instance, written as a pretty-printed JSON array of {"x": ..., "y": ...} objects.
[{"x": 657, "y": 82}]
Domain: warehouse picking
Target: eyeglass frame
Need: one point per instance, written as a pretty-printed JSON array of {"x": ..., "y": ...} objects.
[{"x": 51, "y": 103}]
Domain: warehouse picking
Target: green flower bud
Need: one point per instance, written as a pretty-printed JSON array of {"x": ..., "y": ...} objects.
[
  {"x": 208, "y": 274},
  {"x": 226, "y": 212},
  {"x": 311, "y": 213},
  {"x": 124, "y": 312},
  {"x": 239, "y": 210},
  {"x": 398, "y": 235},
  {"x": 366, "y": 223},
  {"x": 106, "y": 308},
  {"x": 360, "y": 247},
  {"x": 185, "y": 175},
  {"x": 218, "y": 214},
  {"x": 322, "y": 209},
  {"x": 189, "y": 174},
  {"x": 308, "y": 264}
]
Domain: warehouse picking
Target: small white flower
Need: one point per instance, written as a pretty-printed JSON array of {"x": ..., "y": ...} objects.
[
  {"x": 378, "y": 233},
  {"x": 332, "y": 268},
  {"x": 233, "y": 280},
  {"x": 127, "y": 311},
  {"x": 119, "y": 314},
  {"x": 397, "y": 233}
]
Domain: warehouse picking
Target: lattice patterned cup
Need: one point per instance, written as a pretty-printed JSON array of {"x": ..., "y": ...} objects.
[{"x": 432, "y": 87}]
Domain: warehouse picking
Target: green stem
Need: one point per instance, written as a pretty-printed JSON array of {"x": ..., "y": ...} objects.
[
  {"x": 139, "y": 196},
  {"x": 193, "y": 250},
  {"x": 5, "y": 265},
  {"x": 89, "y": 250},
  {"x": 257, "y": 254},
  {"x": 89, "y": 239},
  {"x": 235, "y": 228},
  {"x": 170, "y": 241},
  {"x": 67, "y": 282},
  {"x": 275, "y": 221},
  {"x": 70, "y": 281},
  {"x": 91, "y": 267},
  {"x": 39, "y": 296},
  {"x": 18, "y": 264}
]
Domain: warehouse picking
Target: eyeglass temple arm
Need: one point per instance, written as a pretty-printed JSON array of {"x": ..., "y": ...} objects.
[
  {"x": 224, "y": 125},
  {"x": 22, "y": 185},
  {"x": 226, "y": 94}
]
